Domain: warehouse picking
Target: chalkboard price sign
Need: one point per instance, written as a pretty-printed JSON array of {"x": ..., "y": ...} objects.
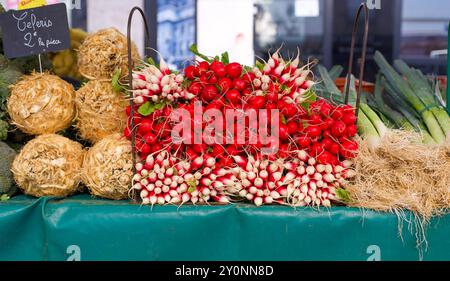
[{"x": 35, "y": 31}]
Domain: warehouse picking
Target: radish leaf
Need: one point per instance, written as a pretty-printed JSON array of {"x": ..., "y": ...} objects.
[
  {"x": 259, "y": 65},
  {"x": 115, "y": 81},
  {"x": 192, "y": 186},
  {"x": 310, "y": 98},
  {"x": 151, "y": 61},
  {"x": 343, "y": 195},
  {"x": 194, "y": 50},
  {"x": 148, "y": 108},
  {"x": 248, "y": 69},
  {"x": 225, "y": 58}
]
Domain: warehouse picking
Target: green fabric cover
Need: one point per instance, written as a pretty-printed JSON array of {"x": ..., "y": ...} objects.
[{"x": 82, "y": 228}]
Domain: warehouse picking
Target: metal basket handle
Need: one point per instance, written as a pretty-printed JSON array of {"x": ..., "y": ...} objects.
[
  {"x": 362, "y": 7},
  {"x": 130, "y": 78}
]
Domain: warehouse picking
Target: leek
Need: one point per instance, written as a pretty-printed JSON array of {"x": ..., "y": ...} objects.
[
  {"x": 397, "y": 101},
  {"x": 396, "y": 117},
  {"x": 374, "y": 119},
  {"x": 424, "y": 91},
  {"x": 330, "y": 86},
  {"x": 368, "y": 131},
  {"x": 405, "y": 90},
  {"x": 335, "y": 72}
]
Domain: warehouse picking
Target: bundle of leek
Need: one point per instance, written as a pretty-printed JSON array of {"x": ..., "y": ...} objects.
[{"x": 410, "y": 102}]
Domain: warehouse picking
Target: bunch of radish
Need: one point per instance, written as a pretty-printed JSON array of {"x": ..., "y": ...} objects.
[
  {"x": 329, "y": 133},
  {"x": 316, "y": 138},
  {"x": 276, "y": 85},
  {"x": 152, "y": 132},
  {"x": 155, "y": 84},
  {"x": 163, "y": 179},
  {"x": 300, "y": 181},
  {"x": 283, "y": 78}
]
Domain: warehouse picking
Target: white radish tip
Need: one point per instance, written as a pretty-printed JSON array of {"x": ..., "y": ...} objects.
[
  {"x": 223, "y": 199},
  {"x": 139, "y": 167},
  {"x": 268, "y": 200},
  {"x": 312, "y": 161},
  {"x": 137, "y": 178},
  {"x": 275, "y": 195},
  {"x": 308, "y": 200},
  {"x": 258, "y": 201}
]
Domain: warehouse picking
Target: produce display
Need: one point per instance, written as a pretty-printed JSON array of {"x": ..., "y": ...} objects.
[
  {"x": 288, "y": 142},
  {"x": 49, "y": 165},
  {"x": 108, "y": 169},
  {"x": 297, "y": 143},
  {"x": 219, "y": 132},
  {"x": 314, "y": 150}
]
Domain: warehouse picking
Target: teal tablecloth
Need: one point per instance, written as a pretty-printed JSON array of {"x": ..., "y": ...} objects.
[{"x": 81, "y": 228}]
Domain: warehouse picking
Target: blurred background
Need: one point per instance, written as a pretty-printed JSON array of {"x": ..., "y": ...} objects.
[{"x": 407, "y": 29}]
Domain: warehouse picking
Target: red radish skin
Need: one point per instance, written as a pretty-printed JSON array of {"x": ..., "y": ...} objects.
[
  {"x": 313, "y": 131},
  {"x": 304, "y": 142},
  {"x": 349, "y": 149},
  {"x": 338, "y": 129},
  {"x": 225, "y": 84},
  {"x": 234, "y": 70},
  {"x": 352, "y": 131},
  {"x": 233, "y": 96},
  {"x": 349, "y": 119}
]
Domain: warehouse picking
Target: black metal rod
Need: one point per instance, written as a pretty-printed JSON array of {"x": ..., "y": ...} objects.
[
  {"x": 130, "y": 78},
  {"x": 362, "y": 7},
  {"x": 151, "y": 12}
]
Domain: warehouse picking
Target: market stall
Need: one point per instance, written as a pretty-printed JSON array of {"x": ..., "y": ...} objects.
[{"x": 218, "y": 161}]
